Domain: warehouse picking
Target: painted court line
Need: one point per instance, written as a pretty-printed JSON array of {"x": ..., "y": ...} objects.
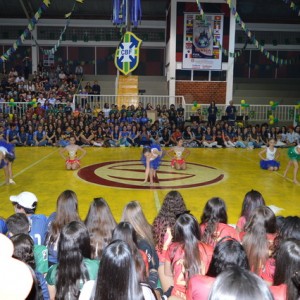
[
  {"x": 32, "y": 165},
  {"x": 156, "y": 201},
  {"x": 277, "y": 173}
]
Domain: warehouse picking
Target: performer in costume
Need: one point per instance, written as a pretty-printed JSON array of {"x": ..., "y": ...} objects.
[
  {"x": 151, "y": 159},
  {"x": 179, "y": 155},
  {"x": 72, "y": 160},
  {"x": 294, "y": 156},
  {"x": 269, "y": 162},
  {"x": 7, "y": 156}
]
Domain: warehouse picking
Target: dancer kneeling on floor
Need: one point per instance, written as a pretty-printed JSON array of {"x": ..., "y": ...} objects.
[
  {"x": 179, "y": 155},
  {"x": 269, "y": 162},
  {"x": 151, "y": 159},
  {"x": 72, "y": 160}
]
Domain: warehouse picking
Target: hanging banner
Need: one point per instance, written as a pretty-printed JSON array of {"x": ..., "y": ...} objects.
[
  {"x": 128, "y": 53},
  {"x": 200, "y": 41}
]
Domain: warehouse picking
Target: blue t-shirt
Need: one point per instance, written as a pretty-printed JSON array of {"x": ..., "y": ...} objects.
[
  {"x": 50, "y": 219},
  {"x": 3, "y": 227},
  {"x": 43, "y": 285},
  {"x": 38, "y": 228}
]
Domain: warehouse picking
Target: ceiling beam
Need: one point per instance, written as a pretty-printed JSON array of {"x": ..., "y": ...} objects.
[{"x": 25, "y": 9}]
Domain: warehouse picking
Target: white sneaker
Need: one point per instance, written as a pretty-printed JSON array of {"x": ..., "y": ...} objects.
[{"x": 11, "y": 181}]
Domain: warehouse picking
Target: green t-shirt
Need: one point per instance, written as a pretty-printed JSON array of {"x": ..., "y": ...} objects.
[
  {"x": 41, "y": 258},
  {"x": 91, "y": 265}
]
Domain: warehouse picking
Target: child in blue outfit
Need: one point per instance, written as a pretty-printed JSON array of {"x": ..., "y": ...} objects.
[
  {"x": 7, "y": 156},
  {"x": 151, "y": 159},
  {"x": 269, "y": 157}
]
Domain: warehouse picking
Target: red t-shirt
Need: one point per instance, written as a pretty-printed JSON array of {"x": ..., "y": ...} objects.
[
  {"x": 279, "y": 291},
  {"x": 221, "y": 231},
  {"x": 241, "y": 223},
  {"x": 175, "y": 256},
  {"x": 267, "y": 271},
  {"x": 199, "y": 287},
  {"x": 167, "y": 241},
  {"x": 145, "y": 259}
]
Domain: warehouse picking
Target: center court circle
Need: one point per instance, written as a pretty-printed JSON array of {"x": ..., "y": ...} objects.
[{"x": 129, "y": 174}]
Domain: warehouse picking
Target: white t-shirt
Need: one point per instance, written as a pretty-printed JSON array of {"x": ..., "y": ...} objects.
[{"x": 271, "y": 154}]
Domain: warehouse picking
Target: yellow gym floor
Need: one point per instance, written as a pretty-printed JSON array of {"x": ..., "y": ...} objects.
[{"x": 116, "y": 174}]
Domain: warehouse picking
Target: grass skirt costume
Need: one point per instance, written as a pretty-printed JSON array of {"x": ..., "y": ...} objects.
[{"x": 293, "y": 154}]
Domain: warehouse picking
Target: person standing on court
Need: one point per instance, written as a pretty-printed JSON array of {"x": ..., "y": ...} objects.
[
  {"x": 231, "y": 113},
  {"x": 212, "y": 114}
]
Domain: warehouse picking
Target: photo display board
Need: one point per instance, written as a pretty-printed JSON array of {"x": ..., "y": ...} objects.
[{"x": 199, "y": 50}]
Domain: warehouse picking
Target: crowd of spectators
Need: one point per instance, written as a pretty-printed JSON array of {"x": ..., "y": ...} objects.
[
  {"x": 50, "y": 118},
  {"x": 177, "y": 257}
]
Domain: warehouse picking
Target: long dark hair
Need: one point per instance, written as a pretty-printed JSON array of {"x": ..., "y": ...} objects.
[
  {"x": 287, "y": 267},
  {"x": 187, "y": 234},
  {"x": 100, "y": 224},
  {"x": 252, "y": 200},
  {"x": 227, "y": 253},
  {"x": 262, "y": 221},
  {"x": 23, "y": 248},
  {"x": 117, "y": 277},
  {"x": 66, "y": 211},
  {"x": 172, "y": 206},
  {"x": 73, "y": 246},
  {"x": 289, "y": 229},
  {"x": 23, "y": 251},
  {"x": 214, "y": 212},
  {"x": 125, "y": 232}
]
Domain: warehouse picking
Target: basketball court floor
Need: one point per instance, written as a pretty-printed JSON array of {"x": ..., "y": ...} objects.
[{"x": 116, "y": 174}]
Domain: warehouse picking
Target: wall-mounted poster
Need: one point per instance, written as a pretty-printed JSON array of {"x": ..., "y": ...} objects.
[{"x": 199, "y": 50}]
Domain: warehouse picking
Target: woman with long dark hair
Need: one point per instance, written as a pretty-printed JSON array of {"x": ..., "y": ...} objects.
[
  {"x": 163, "y": 231},
  {"x": 289, "y": 229},
  {"x": 23, "y": 251},
  {"x": 66, "y": 279},
  {"x": 258, "y": 241},
  {"x": 286, "y": 278},
  {"x": 117, "y": 277},
  {"x": 252, "y": 200},
  {"x": 227, "y": 253},
  {"x": 213, "y": 224},
  {"x": 125, "y": 232},
  {"x": 100, "y": 224},
  {"x": 186, "y": 256},
  {"x": 66, "y": 211}
]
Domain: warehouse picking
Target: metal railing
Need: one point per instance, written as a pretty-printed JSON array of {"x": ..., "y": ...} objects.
[
  {"x": 99, "y": 100},
  {"x": 254, "y": 113}
]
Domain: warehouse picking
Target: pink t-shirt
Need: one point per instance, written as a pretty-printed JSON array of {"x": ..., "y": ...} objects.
[
  {"x": 267, "y": 271},
  {"x": 241, "y": 224},
  {"x": 167, "y": 241},
  {"x": 221, "y": 231},
  {"x": 279, "y": 291},
  {"x": 175, "y": 256},
  {"x": 199, "y": 287}
]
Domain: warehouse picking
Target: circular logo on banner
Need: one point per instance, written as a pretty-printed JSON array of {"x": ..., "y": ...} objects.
[{"x": 129, "y": 174}]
